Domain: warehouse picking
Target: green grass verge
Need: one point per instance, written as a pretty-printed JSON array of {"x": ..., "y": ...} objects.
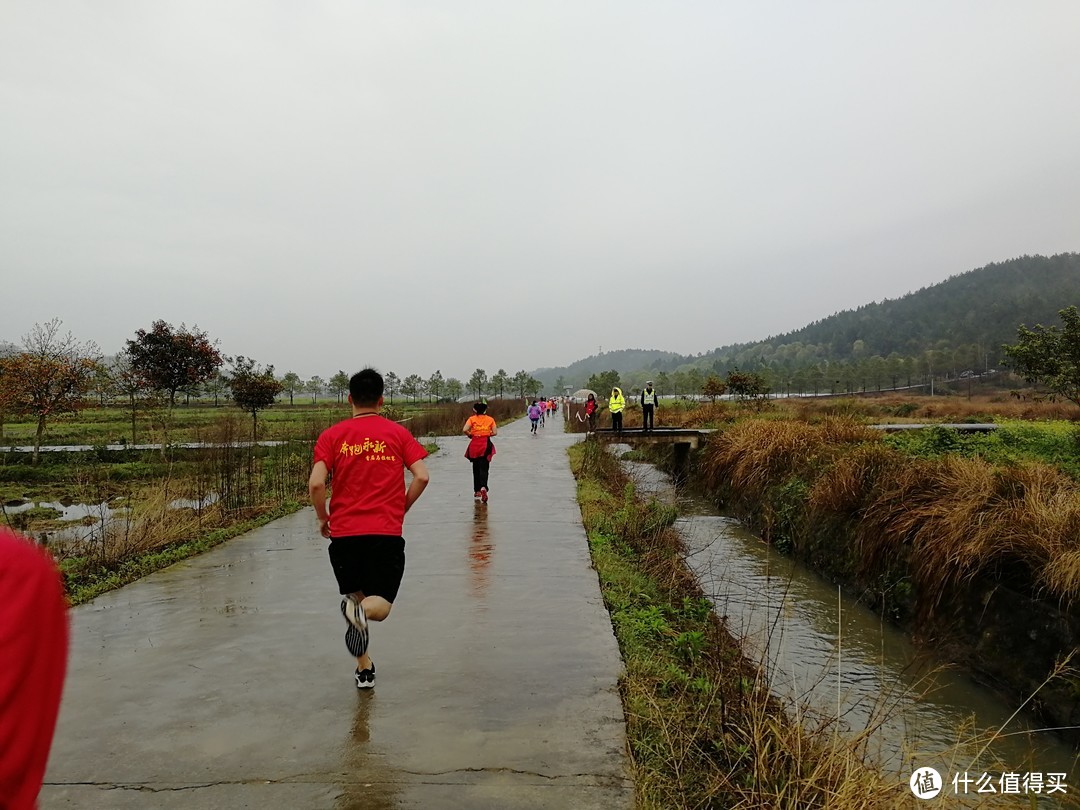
[{"x": 1014, "y": 441}]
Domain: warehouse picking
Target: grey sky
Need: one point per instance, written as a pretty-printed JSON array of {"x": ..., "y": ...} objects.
[{"x": 454, "y": 185}]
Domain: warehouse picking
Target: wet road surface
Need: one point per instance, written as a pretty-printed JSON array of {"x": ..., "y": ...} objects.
[{"x": 223, "y": 681}]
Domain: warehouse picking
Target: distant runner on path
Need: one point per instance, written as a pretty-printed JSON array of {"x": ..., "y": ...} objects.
[
  {"x": 535, "y": 416},
  {"x": 367, "y": 456},
  {"x": 480, "y": 428}
]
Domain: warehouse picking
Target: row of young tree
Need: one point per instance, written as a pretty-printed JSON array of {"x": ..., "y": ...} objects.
[
  {"x": 741, "y": 385},
  {"x": 968, "y": 317},
  {"x": 872, "y": 374},
  {"x": 1045, "y": 356},
  {"x": 52, "y": 374},
  {"x": 414, "y": 388}
]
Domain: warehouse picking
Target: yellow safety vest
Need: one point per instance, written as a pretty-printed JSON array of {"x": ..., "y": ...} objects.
[{"x": 617, "y": 402}]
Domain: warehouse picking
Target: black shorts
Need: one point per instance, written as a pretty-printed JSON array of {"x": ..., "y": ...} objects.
[{"x": 371, "y": 564}]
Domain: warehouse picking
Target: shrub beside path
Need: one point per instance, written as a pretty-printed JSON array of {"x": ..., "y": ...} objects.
[{"x": 223, "y": 681}]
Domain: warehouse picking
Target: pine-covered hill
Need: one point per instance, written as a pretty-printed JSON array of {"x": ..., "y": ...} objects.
[
  {"x": 963, "y": 321},
  {"x": 983, "y": 306}
]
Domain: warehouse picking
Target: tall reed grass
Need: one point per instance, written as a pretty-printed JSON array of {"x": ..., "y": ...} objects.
[
  {"x": 704, "y": 730},
  {"x": 957, "y": 549},
  {"x": 950, "y": 518},
  {"x": 226, "y": 484},
  {"x": 447, "y": 419}
]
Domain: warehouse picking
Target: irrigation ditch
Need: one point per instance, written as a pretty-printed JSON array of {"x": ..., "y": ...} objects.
[{"x": 963, "y": 680}]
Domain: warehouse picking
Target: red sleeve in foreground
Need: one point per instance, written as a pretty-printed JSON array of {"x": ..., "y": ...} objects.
[{"x": 33, "y": 652}]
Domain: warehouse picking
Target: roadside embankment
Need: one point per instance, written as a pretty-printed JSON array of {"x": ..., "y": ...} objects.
[
  {"x": 703, "y": 730},
  {"x": 980, "y": 560}
]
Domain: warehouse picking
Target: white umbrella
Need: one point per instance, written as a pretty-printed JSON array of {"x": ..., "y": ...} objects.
[{"x": 582, "y": 394}]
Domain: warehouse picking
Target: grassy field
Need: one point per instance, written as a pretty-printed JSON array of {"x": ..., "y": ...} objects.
[
  {"x": 134, "y": 525},
  {"x": 97, "y": 426}
]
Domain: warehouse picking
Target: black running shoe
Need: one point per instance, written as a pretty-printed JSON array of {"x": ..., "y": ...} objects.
[
  {"x": 356, "y": 634},
  {"x": 365, "y": 678}
]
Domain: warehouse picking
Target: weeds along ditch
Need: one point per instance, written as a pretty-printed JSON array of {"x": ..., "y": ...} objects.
[
  {"x": 149, "y": 511},
  {"x": 703, "y": 729},
  {"x": 834, "y": 663},
  {"x": 977, "y": 558}
]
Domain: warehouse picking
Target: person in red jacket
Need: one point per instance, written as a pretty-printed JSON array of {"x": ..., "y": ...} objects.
[
  {"x": 591, "y": 408},
  {"x": 480, "y": 428},
  {"x": 33, "y": 652}
]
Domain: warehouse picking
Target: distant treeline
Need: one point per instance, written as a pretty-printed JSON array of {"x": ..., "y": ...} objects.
[{"x": 942, "y": 331}]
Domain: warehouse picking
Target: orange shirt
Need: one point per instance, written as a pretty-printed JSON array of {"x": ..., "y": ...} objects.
[{"x": 481, "y": 425}]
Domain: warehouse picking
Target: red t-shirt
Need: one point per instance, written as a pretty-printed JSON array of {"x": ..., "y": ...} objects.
[
  {"x": 33, "y": 649},
  {"x": 367, "y": 456}
]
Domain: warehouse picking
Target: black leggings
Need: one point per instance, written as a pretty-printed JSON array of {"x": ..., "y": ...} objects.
[
  {"x": 480, "y": 467},
  {"x": 616, "y": 421}
]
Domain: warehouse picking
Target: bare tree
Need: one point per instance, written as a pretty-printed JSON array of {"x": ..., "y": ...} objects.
[
  {"x": 50, "y": 376},
  {"x": 131, "y": 385}
]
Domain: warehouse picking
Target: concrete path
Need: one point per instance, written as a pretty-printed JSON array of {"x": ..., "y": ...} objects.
[{"x": 224, "y": 682}]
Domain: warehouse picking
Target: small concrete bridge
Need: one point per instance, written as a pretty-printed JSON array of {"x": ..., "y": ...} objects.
[
  {"x": 682, "y": 441},
  {"x": 692, "y": 437}
]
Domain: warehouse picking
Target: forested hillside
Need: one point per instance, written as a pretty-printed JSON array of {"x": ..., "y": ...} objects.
[
  {"x": 981, "y": 308},
  {"x": 624, "y": 361},
  {"x": 944, "y": 330}
]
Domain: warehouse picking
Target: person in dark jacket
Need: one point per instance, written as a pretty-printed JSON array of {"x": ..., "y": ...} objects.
[{"x": 648, "y": 405}]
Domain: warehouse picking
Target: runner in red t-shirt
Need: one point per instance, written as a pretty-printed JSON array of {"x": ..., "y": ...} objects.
[{"x": 367, "y": 456}]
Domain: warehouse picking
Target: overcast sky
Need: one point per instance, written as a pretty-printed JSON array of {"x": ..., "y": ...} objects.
[{"x": 460, "y": 185}]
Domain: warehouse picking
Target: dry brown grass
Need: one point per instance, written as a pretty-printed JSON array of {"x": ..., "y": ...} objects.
[
  {"x": 843, "y": 489},
  {"x": 949, "y": 518},
  {"x": 149, "y": 524},
  {"x": 704, "y": 730},
  {"x": 961, "y": 517},
  {"x": 894, "y": 408},
  {"x": 755, "y": 454}
]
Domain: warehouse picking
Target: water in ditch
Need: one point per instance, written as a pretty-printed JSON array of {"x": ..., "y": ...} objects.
[{"x": 835, "y": 663}]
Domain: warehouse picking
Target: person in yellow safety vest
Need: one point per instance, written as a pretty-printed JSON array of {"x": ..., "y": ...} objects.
[{"x": 616, "y": 404}]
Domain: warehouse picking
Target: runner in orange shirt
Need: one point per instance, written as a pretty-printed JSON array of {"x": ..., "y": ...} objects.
[{"x": 480, "y": 428}]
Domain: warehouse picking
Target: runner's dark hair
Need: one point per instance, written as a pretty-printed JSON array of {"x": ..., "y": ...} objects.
[
  {"x": 480, "y": 407},
  {"x": 365, "y": 387}
]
